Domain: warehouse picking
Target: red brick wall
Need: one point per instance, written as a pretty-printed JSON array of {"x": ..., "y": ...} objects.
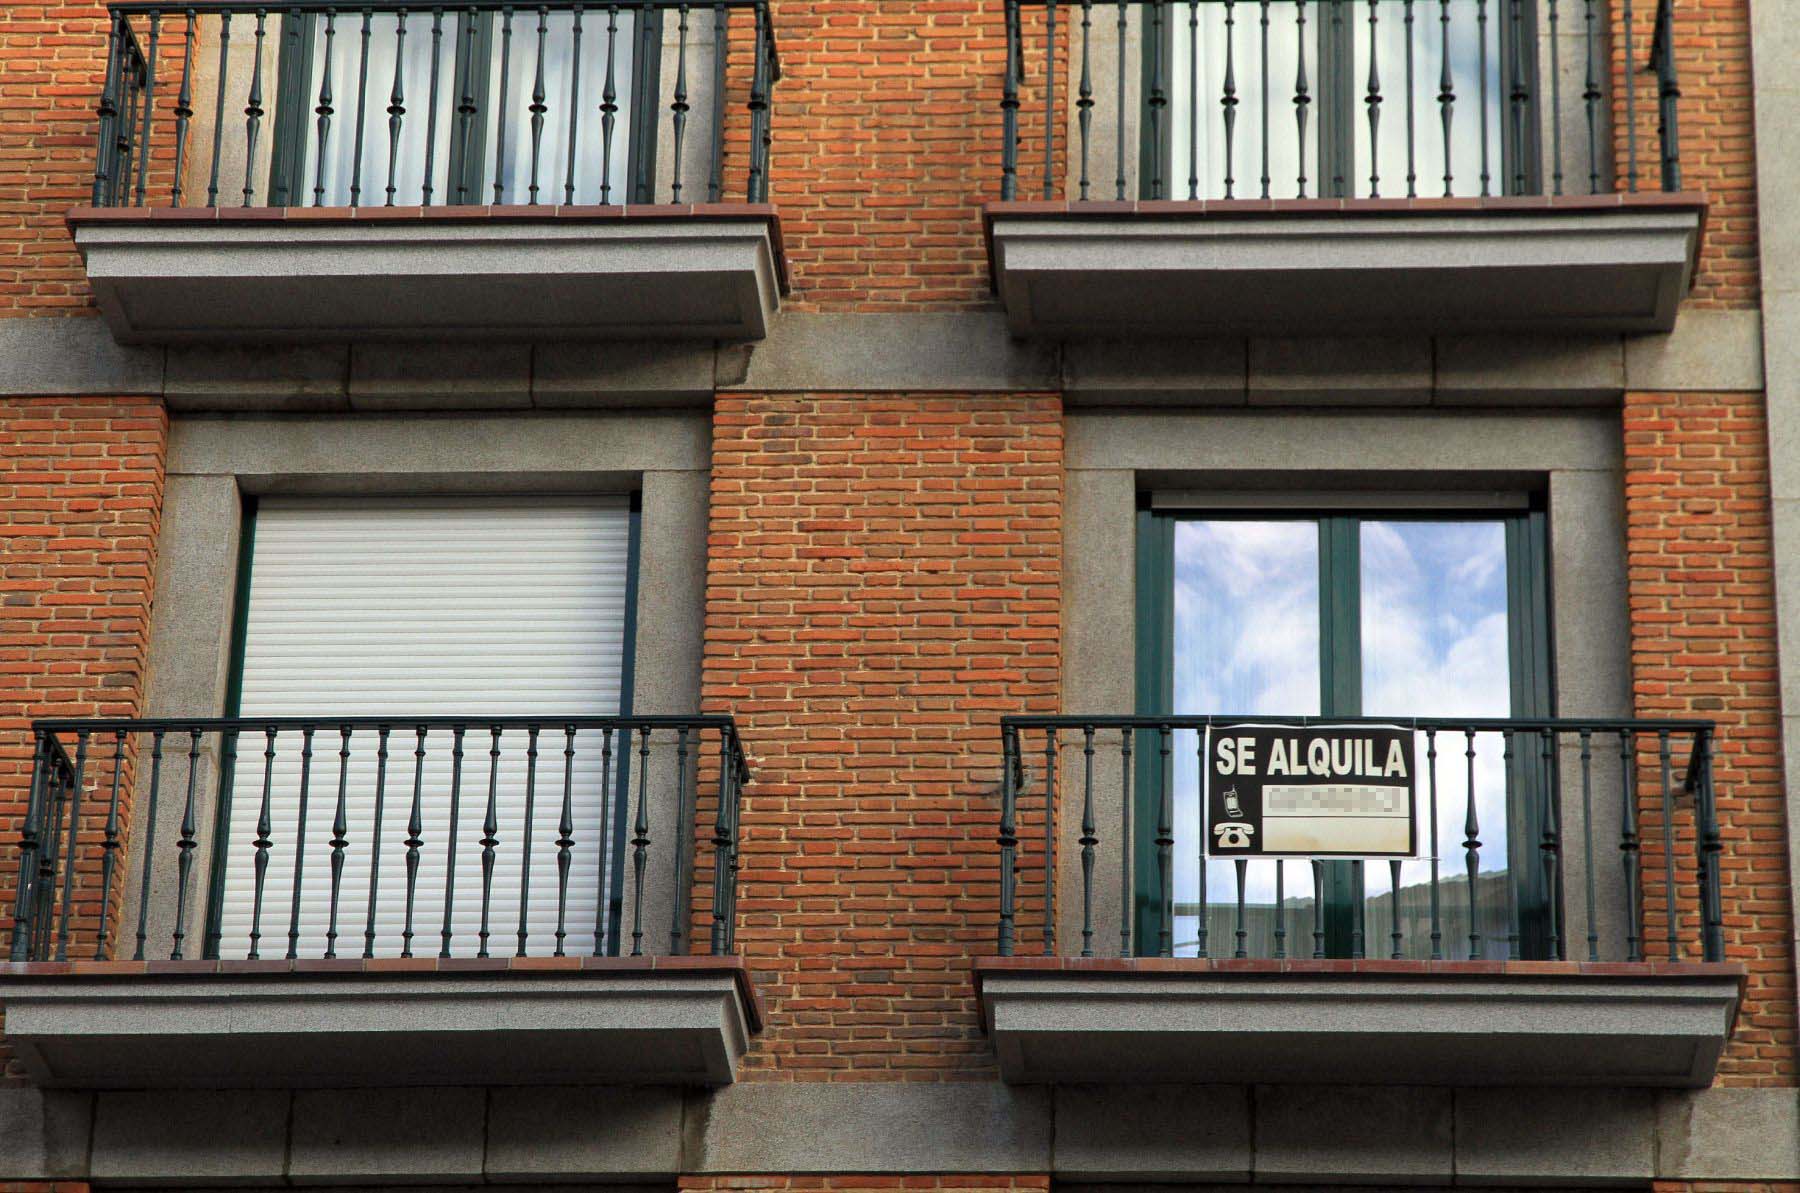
[
  {"x": 1717, "y": 120},
  {"x": 1703, "y": 645},
  {"x": 882, "y": 585},
  {"x": 80, "y": 499}
]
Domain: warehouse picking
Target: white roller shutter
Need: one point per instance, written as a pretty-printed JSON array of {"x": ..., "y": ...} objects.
[{"x": 445, "y": 607}]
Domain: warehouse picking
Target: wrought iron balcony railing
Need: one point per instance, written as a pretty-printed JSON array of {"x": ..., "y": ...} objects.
[
  {"x": 337, "y": 103},
  {"x": 379, "y": 836},
  {"x": 1351, "y": 99},
  {"x": 1539, "y": 840}
]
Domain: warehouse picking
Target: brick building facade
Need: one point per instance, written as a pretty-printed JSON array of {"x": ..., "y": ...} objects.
[{"x": 887, "y": 380}]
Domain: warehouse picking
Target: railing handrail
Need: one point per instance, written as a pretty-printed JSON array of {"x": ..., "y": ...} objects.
[{"x": 1479, "y": 724}]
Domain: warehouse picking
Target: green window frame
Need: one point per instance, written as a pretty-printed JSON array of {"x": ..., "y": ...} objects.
[
  {"x": 1337, "y": 98},
  {"x": 1340, "y": 680},
  {"x": 292, "y": 127}
]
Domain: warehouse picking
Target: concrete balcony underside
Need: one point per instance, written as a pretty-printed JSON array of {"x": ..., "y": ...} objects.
[
  {"x": 1581, "y": 265},
  {"x": 1059, "y": 1020},
  {"x": 281, "y": 1024},
  {"x": 295, "y": 275}
]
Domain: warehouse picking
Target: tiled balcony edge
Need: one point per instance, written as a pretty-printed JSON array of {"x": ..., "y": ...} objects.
[{"x": 1262, "y": 967}]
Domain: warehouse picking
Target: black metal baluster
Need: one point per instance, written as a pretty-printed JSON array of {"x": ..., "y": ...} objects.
[
  {"x": 565, "y": 839},
  {"x": 1668, "y": 830},
  {"x": 1088, "y": 841},
  {"x": 184, "y": 105},
  {"x": 306, "y": 753},
  {"x": 1373, "y": 101},
  {"x": 70, "y": 856},
  {"x": 501, "y": 110},
  {"x": 415, "y": 825},
  {"x": 1125, "y": 844},
  {"x": 456, "y": 768},
  {"x": 465, "y": 101},
  {"x": 108, "y": 112},
  {"x": 1412, "y": 165},
  {"x": 227, "y": 787},
  {"x": 253, "y": 110},
  {"x": 1552, "y": 844},
  {"x": 1437, "y": 923},
  {"x": 1280, "y": 909},
  {"x": 1009, "y": 107},
  {"x": 715, "y": 184},
  {"x": 1472, "y": 851},
  {"x": 1200, "y": 940},
  {"x": 1009, "y": 840},
  {"x": 1519, "y": 97},
  {"x": 678, "y": 109},
  {"x": 1302, "y": 97},
  {"x": 684, "y": 826},
  {"x": 218, "y": 124},
  {"x": 1358, "y": 912},
  {"x": 640, "y": 841},
  {"x": 1165, "y": 852},
  {"x": 490, "y": 828},
  {"x": 609, "y": 106},
  {"x": 1587, "y": 842},
  {"x": 1193, "y": 99},
  {"x": 1481, "y": 42},
  {"x": 1049, "y": 98},
  {"x": 1156, "y": 102},
  {"x": 1556, "y": 164},
  {"x": 109, "y": 841},
  {"x": 1512, "y": 788},
  {"x": 1399, "y": 950},
  {"x": 1629, "y": 845},
  {"x": 362, "y": 108},
  {"x": 575, "y": 103},
  {"x": 1084, "y": 105},
  {"x": 537, "y": 108},
  {"x": 340, "y": 828},
  {"x": 724, "y": 835},
  {"x": 1668, "y": 96},
  {"x": 184, "y": 847},
  {"x": 1446, "y": 93},
  {"x": 1590, "y": 97},
  {"x": 143, "y": 164},
  {"x": 1242, "y": 865},
  {"x": 1265, "y": 98},
  {"x": 1049, "y": 843},
  {"x": 1124, "y": 27},
  {"x": 606, "y": 841},
  {"x": 1230, "y": 101},
  {"x": 1706, "y": 826},
  {"x": 762, "y": 78},
  {"x": 381, "y": 765},
  {"x": 426, "y": 186},
  {"x": 1318, "y": 885},
  {"x": 125, "y": 143},
  {"x": 260, "y": 846},
  {"x": 149, "y": 850},
  {"x": 323, "y": 109},
  {"x": 531, "y": 761},
  {"x": 396, "y": 104}
]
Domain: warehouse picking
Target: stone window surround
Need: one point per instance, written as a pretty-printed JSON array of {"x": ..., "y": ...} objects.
[
  {"x": 215, "y": 461},
  {"x": 1573, "y": 457}
]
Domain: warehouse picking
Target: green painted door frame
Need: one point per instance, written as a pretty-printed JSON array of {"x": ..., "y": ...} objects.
[{"x": 1531, "y": 779}]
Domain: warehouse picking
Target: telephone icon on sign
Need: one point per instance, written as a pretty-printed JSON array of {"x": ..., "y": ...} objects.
[
  {"x": 1233, "y": 807},
  {"x": 1234, "y": 834}
]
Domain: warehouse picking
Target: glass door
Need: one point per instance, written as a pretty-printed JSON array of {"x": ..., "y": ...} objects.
[{"x": 1346, "y": 615}]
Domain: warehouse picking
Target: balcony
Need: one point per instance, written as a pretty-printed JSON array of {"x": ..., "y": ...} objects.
[
  {"x": 1218, "y": 167},
  {"x": 402, "y": 170},
  {"x": 380, "y": 902},
  {"x": 1558, "y": 921}
]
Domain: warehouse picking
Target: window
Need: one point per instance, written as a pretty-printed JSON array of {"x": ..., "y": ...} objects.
[
  {"x": 466, "y": 86},
  {"x": 444, "y": 607},
  {"x": 1404, "y": 615},
  {"x": 1283, "y": 89}
]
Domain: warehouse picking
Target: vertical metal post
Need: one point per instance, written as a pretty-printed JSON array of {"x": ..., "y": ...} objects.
[
  {"x": 1009, "y": 107},
  {"x": 1009, "y": 840},
  {"x": 30, "y": 845}
]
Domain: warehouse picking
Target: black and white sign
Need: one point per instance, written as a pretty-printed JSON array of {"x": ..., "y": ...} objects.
[{"x": 1321, "y": 791}]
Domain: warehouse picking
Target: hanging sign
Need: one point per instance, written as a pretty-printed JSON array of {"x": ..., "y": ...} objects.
[{"x": 1320, "y": 791}]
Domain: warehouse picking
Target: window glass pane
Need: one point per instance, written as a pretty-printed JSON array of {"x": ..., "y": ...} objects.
[
  {"x": 1199, "y": 36},
  {"x": 1435, "y": 643},
  {"x": 1246, "y": 640}
]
